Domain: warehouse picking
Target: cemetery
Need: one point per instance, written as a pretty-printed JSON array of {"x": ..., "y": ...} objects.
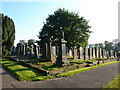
[
  {"x": 61, "y": 51},
  {"x": 44, "y": 62}
]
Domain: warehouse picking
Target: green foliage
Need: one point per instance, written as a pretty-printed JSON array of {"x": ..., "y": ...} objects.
[
  {"x": 22, "y": 42},
  {"x": 51, "y": 67},
  {"x": 73, "y": 72},
  {"x": 31, "y": 42},
  {"x": 114, "y": 83},
  {"x": 23, "y": 73},
  {"x": 75, "y": 28},
  {"x": 81, "y": 61},
  {"x": 8, "y": 34}
]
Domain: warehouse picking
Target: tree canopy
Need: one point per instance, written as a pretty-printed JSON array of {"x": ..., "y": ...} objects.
[
  {"x": 31, "y": 41},
  {"x": 8, "y": 34},
  {"x": 75, "y": 28}
]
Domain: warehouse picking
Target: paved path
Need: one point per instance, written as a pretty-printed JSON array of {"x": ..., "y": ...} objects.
[
  {"x": 6, "y": 78},
  {"x": 95, "y": 78}
]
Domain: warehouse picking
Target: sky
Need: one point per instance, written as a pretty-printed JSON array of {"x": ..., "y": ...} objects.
[{"x": 28, "y": 16}]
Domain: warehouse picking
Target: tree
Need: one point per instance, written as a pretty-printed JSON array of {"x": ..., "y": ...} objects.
[
  {"x": 76, "y": 29},
  {"x": 8, "y": 34},
  {"x": 31, "y": 41},
  {"x": 22, "y": 42},
  {"x": 109, "y": 46}
]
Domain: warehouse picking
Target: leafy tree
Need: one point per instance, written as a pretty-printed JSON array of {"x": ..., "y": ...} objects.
[
  {"x": 101, "y": 45},
  {"x": 22, "y": 42},
  {"x": 75, "y": 28},
  {"x": 109, "y": 46},
  {"x": 67, "y": 25},
  {"x": 8, "y": 34},
  {"x": 31, "y": 41}
]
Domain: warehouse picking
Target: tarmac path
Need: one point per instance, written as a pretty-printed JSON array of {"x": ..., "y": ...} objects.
[
  {"x": 6, "y": 79},
  {"x": 95, "y": 78}
]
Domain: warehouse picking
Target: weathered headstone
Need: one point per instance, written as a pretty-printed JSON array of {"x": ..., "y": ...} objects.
[
  {"x": 31, "y": 51},
  {"x": 104, "y": 53},
  {"x": 111, "y": 52},
  {"x": 64, "y": 54},
  {"x": 18, "y": 48},
  {"x": 75, "y": 55},
  {"x": 96, "y": 53},
  {"x": 86, "y": 53},
  {"x": 100, "y": 53},
  {"x": 107, "y": 54},
  {"x": 81, "y": 53},
  {"x": 36, "y": 52},
  {"x": 53, "y": 54},
  {"x": 90, "y": 53},
  {"x": 26, "y": 50},
  {"x": 70, "y": 52},
  {"x": 23, "y": 49},
  {"x": 93, "y": 53},
  {"x": 115, "y": 54}
]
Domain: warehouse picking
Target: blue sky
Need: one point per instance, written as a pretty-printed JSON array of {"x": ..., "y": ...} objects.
[{"x": 29, "y": 16}]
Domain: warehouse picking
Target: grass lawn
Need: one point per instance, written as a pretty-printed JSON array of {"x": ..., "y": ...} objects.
[
  {"x": 23, "y": 73},
  {"x": 73, "y": 72},
  {"x": 115, "y": 83}
]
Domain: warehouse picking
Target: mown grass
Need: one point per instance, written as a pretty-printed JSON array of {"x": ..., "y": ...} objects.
[
  {"x": 81, "y": 61},
  {"x": 23, "y": 73},
  {"x": 115, "y": 83},
  {"x": 73, "y": 72},
  {"x": 51, "y": 67}
]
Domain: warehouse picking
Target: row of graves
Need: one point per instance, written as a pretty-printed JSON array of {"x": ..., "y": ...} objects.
[{"x": 50, "y": 53}]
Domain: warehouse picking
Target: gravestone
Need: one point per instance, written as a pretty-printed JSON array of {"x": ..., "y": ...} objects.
[
  {"x": 18, "y": 48},
  {"x": 81, "y": 56},
  {"x": 36, "y": 52},
  {"x": 64, "y": 54},
  {"x": 70, "y": 52},
  {"x": 96, "y": 53},
  {"x": 104, "y": 53},
  {"x": 53, "y": 54},
  {"x": 115, "y": 54},
  {"x": 90, "y": 53},
  {"x": 26, "y": 49},
  {"x": 31, "y": 51},
  {"x": 107, "y": 54},
  {"x": 86, "y": 53},
  {"x": 75, "y": 55},
  {"x": 111, "y": 52},
  {"x": 100, "y": 53},
  {"x": 93, "y": 53}
]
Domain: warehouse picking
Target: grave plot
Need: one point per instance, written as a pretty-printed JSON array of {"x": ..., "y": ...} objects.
[{"x": 24, "y": 73}]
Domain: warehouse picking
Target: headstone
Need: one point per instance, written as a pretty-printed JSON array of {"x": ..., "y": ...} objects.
[
  {"x": 23, "y": 49},
  {"x": 111, "y": 53},
  {"x": 104, "y": 53},
  {"x": 100, "y": 53},
  {"x": 31, "y": 51},
  {"x": 70, "y": 52},
  {"x": 36, "y": 52},
  {"x": 75, "y": 56},
  {"x": 53, "y": 54},
  {"x": 18, "y": 49},
  {"x": 86, "y": 53},
  {"x": 90, "y": 53},
  {"x": 81, "y": 56},
  {"x": 64, "y": 54},
  {"x": 93, "y": 53},
  {"x": 26, "y": 50},
  {"x": 115, "y": 54},
  {"x": 107, "y": 54},
  {"x": 96, "y": 53}
]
